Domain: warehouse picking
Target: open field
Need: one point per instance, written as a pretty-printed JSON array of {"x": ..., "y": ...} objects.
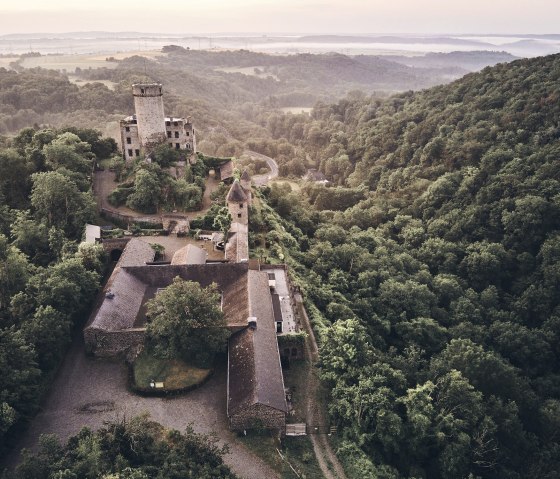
[
  {"x": 78, "y": 81},
  {"x": 297, "y": 109},
  {"x": 5, "y": 61},
  {"x": 249, "y": 71},
  {"x": 293, "y": 184},
  {"x": 67, "y": 63}
]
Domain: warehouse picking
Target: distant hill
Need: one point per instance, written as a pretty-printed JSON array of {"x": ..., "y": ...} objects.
[
  {"x": 469, "y": 61},
  {"x": 391, "y": 39}
]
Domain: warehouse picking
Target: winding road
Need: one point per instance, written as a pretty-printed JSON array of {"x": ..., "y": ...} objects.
[{"x": 261, "y": 180}]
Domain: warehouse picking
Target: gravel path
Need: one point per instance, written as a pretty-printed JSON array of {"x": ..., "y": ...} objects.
[{"x": 88, "y": 392}]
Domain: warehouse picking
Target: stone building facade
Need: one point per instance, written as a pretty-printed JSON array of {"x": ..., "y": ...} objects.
[{"x": 149, "y": 126}]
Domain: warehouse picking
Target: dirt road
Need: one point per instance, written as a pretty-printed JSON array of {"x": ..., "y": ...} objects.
[{"x": 261, "y": 180}]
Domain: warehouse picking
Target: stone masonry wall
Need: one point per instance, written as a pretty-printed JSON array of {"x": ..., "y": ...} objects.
[
  {"x": 113, "y": 343},
  {"x": 258, "y": 416},
  {"x": 239, "y": 212}
]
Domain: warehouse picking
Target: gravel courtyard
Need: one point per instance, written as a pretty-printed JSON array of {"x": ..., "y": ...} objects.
[{"x": 87, "y": 392}]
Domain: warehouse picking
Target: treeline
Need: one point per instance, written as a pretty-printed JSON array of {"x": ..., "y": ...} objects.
[
  {"x": 127, "y": 449},
  {"x": 47, "y": 279},
  {"x": 437, "y": 293}
]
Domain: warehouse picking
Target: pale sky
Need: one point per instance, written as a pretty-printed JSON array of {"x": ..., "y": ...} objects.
[{"x": 282, "y": 16}]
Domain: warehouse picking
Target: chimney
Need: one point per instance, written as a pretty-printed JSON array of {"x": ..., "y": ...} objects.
[{"x": 252, "y": 322}]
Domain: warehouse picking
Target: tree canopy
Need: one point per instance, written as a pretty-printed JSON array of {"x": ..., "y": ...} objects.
[
  {"x": 185, "y": 320},
  {"x": 127, "y": 449}
]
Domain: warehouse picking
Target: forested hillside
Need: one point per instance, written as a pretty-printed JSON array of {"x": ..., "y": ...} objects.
[{"x": 433, "y": 272}]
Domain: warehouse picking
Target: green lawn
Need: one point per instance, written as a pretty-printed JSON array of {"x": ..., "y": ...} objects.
[
  {"x": 173, "y": 373},
  {"x": 297, "y": 452}
]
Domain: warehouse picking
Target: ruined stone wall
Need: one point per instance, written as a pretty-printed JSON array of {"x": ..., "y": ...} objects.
[
  {"x": 148, "y": 104},
  {"x": 258, "y": 416},
  {"x": 130, "y": 141},
  {"x": 104, "y": 344}
]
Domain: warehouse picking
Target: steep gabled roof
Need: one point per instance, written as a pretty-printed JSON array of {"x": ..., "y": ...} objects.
[
  {"x": 236, "y": 193},
  {"x": 123, "y": 293},
  {"x": 254, "y": 369},
  {"x": 226, "y": 170}
]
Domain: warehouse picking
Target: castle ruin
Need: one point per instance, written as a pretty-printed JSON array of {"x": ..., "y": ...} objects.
[{"x": 149, "y": 126}]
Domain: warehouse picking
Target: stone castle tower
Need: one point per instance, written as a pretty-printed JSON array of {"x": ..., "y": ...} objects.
[
  {"x": 148, "y": 104},
  {"x": 150, "y": 127}
]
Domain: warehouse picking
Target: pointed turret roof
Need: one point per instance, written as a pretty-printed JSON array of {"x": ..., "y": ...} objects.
[
  {"x": 236, "y": 193},
  {"x": 245, "y": 176}
]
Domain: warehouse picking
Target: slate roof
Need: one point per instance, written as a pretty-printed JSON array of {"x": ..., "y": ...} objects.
[
  {"x": 123, "y": 297},
  {"x": 136, "y": 253},
  {"x": 236, "y": 193},
  {"x": 189, "y": 254},
  {"x": 254, "y": 369},
  {"x": 245, "y": 176},
  {"x": 123, "y": 294},
  {"x": 226, "y": 170},
  {"x": 315, "y": 175},
  {"x": 237, "y": 247}
]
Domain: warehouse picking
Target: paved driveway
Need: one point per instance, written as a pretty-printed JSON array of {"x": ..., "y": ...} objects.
[{"x": 87, "y": 392}]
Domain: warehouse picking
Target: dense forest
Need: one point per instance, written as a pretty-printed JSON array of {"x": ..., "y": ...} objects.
[
  {"x": 431, "y": 265},
  {"x": 47, "y": 279}
]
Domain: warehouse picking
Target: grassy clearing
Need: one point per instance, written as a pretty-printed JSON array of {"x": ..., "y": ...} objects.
[
  {"x": 249, "y": 71},
  {"x": 297, "y": 109},
  {"x": 297, "y": 452},
  {"x": 68, "y": 63},
  {"x": 173, "y": 373},
  {"x": 80, "y": 82},
  {"x": 293, "y": 184},
  {"x": 5, "y": 61}
]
